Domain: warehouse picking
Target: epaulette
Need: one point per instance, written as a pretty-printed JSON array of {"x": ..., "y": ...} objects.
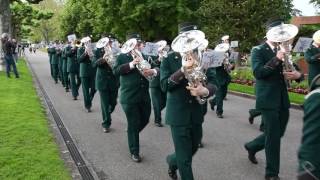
[
  {"x": 311, "y": 93},
  {"x": 257, "y": 47}
]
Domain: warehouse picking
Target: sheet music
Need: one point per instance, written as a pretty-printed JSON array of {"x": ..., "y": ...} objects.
[
  {"x": 212, "y": 58},
  {"x": 151, "y": 49}
]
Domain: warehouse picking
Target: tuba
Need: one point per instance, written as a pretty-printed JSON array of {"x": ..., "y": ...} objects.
[
  {"x": 129, "y": 47},
  {"x": 283, "y": 34},
  {"x": 87, "y": 45},
  {"x": 190, "y": 45}
]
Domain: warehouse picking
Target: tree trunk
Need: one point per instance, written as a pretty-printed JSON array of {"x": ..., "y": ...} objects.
[
  {"x": 5, "y": 23},
  {"x": 5, "y": 16}
]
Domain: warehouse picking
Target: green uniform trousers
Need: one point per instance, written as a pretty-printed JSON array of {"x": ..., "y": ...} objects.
[
  {"x": 186, "y": 141},
  {"x": 108, "y": 101},
  {"x": 75, "y": 83},
  {"x": 221, "y": 93},
  {"x": 88, "y": 90},
  {"x": 55, "y": 71},
  {"x": 66, "y": 79},
  {"x": 138, "y": 115},
  {"x": 255, "y": 113},
  {"x": 158, "y": 99},
  {"x": 61, "y": 73},
  {"x": 275, "y": 123}
]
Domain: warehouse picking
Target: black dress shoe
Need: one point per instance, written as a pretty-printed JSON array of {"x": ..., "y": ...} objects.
[
  {"x": 251, "y": 155},
  {"x": 89, "y": 110},
  {"x": 135, "y": 158},
  {"x": 200, "y": 145},
  {"x": 219, "y": 115},
  {"x": 75, "y": 98},
  {"x": 158, "y": 124},
  {"x": 272, "y": 178},
  {"x": 106, "y": 130},
  {"x": 67, "y": 90},
  {"x": 173, "y": 174}
]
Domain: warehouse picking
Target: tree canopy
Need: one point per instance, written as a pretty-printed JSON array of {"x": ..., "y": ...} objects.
[
  {"x": 243, "y": 20},
  {"x": 24, "y": 16}
]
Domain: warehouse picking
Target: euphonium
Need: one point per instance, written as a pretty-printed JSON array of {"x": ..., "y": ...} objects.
[
  {"x": 108, "y": 56},
  {"x": 129, "y": 47},
  {"x": 287, "y": 60},
  {"x": 188, "y": 45},
  {"x": 87, "y": 45}
]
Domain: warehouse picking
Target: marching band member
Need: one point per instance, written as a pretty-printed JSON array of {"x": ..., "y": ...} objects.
[
  {"x": 106, "y": 82},
  {"x": 158, "y": 97},
  {"x": 73, "y": 68},
  {"x": 54, "y": 61},
  {"x": 65, "y": 79},
  {"x": 312, "y": 56},
  {"x": 272, "y": 100},
  {"x": 87, "y": 72},
  {"x": 134, "y": 94},
  {"x": 223, "y": 80},
  {"x": 308, "y": 154},
  {"x": 184, "y": 113}
]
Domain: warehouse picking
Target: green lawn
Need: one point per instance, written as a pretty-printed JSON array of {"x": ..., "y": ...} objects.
[
  {"x": 294, "y": 97},
  {"x": 27, "y": 147}
]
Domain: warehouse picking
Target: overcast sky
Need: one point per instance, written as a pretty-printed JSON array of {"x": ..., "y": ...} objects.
[{"x": 304, "y": 6}]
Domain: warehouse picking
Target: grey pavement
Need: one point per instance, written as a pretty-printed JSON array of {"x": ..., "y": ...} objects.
[{"x": 222, "y": 158}]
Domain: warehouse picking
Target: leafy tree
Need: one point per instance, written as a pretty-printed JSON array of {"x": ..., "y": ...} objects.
[
  {"x": 243, "y": 20},
  {"x": 154, "y": 19},
  {"x": 5, "y": 14},
  {"x": 24, "y": 16},
  {"x": 48, "y": 29}
]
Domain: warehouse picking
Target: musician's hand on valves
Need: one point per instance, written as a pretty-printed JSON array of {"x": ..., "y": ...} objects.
[
  {"x": 199, "y": 90},
  {"x": 280, "y": 55},
  {"x": 292, "y": 75},
  {"x": 135, "y": 61},
  {"x": 148, "y": 72}
]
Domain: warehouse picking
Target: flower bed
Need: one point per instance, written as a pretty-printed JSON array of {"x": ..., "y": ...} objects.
[{"x": 244, "y": 76}]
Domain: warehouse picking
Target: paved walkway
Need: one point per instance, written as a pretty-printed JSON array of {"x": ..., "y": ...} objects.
[{"x": 222, "y": 158}]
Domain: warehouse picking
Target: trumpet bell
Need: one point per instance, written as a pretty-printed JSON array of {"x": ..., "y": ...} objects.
[
  {"x": 223, "y": 47},
  {"x": 102, "y": 42},
  {"x": 129, "y": 45},
  {"x": 203, "y": 45},
  {"x": 283, "y": 32},
  {"x": 187, "y": 41}
]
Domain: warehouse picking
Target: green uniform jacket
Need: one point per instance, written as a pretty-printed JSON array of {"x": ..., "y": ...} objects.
[
  {"x": 271, "y": 90},
  {"x": 72, "y": 63},
  {"x": 134, "y": 87},
  {"x": 313, "y": 59},
  {"x": 53, "y": 55},
  {"x": 223, "y": 77},
  {"x": 105, "y": 79},
  {"x": 182, "y": 108},
  {"x": 310, "y": 144},
  {"x": 86, "y": 68}
]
